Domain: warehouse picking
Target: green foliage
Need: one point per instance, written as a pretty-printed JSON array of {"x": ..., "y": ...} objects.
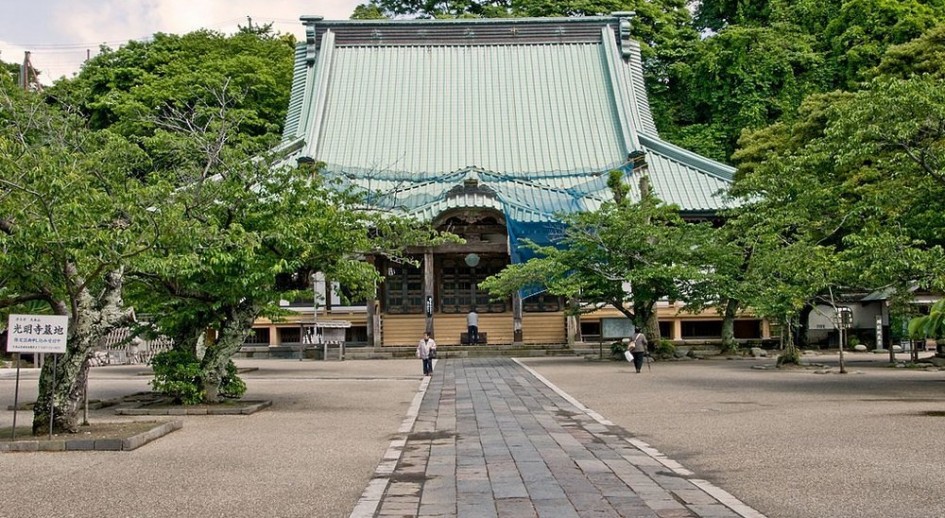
[
  {"x": 617, "y": 350},
  {"x": 863, "y": 29},
  {"x": 368, "y": 12},
  {"x": 789, "y": 356},
  {"x": 717, "y": 14},
  {"x": 931, "y": 325},
  {"x": 645, "y": 244},
  {"x": 742, "y": 77},
  {"x": 232, "y": 386},
  {"x": 665, "y": 350},
  {"x": 177, "y": 375},
  {"x": 848, "y": 195},
  {"x": 137, "y": 88},
  {"x": 9, "y": 73}
]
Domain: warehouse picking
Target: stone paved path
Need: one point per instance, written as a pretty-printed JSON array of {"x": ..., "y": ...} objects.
[{"x": 492, "y": 439}]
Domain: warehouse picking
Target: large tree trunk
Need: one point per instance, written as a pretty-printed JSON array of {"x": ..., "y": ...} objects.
[
  {"x": 91, "y": 320},
  {"x": 728, "y": 325},
  {"x": 233, "y": 332}
]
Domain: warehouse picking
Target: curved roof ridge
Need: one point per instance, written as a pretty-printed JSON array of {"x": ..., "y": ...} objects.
[{"x": 694, "y": 160}]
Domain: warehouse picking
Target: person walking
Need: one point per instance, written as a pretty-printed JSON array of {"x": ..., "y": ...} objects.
[
  {"x": 638, "y": 350},
  {"x": 426, "y": 351},
  {"x": 472, "y": 327}
]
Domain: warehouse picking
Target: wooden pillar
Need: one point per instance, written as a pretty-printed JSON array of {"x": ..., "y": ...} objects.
[
  {"x": 765, "y": 329},
  {"x": 677, "y": 329},
  {"x": 428, "y": 282},
  {"x": 517, "y": 332}
]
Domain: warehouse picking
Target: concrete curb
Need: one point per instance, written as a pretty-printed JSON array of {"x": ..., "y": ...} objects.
[
  {"x": 371, "y": 497},
  {"x": 251, "y": 408},
  {"x": 131, "y": 443}
]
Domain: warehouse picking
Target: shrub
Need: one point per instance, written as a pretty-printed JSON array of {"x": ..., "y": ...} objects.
[
  {"x": 177, "y": 375},
  {"x": 617, "y": 349},
  {"x": 790, "y": 356},
  {"x": 232, "y": 386},
  {"x": 665, "y": 350}
]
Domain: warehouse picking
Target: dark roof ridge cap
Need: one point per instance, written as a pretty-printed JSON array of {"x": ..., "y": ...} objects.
[{"x": 320, "y": 20}]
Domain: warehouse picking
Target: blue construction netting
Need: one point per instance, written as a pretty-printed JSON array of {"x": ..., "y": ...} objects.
[{"x": 532, "y": 204}]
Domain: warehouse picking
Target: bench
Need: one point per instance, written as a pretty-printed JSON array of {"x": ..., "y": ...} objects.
[{"x": 464, "y": 338}]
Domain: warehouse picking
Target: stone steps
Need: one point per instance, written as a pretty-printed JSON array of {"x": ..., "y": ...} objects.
[{"x": 446, "y": 351}]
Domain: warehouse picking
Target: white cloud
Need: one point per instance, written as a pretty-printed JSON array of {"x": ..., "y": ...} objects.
[{"x": 62, "y": 31}]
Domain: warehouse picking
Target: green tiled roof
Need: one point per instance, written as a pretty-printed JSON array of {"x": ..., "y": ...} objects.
[{"x": 538, "y": 110}]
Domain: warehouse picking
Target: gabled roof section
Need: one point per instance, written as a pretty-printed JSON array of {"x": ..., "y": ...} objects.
[
  {"x": 540, "y": 109},
  {"x": 519, "y": 95}
]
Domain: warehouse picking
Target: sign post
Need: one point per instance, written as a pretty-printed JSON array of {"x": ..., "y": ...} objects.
[
  {"x": 844, "y": 322},
  {"x": 37, "y": 334}
]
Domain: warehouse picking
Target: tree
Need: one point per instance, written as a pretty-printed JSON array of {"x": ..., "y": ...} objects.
[
  {"x": 862, "y": 30},
  {"x": 847, "y": 194},
  {"x": 924, "y": 55},
  {"x": 9, "y": 71},
  {"x": 627, "y": 255},
  {"x": 128, "y": 90},
  {"x": 742, "y": 78},
  {"x": 72, "y": 220},
  {"x": 718, "y": 14},
  {"x": 932, "y": 324},
  {"x": 235, "y": 227}
]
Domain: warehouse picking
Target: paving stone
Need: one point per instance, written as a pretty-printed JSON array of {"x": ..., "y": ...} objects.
[{"x": 502, "y": 443}]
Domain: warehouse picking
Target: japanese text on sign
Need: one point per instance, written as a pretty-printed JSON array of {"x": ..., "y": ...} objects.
[{"x": 37, "y": 333}]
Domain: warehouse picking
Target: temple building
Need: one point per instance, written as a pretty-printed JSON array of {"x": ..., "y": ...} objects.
[{"x": 487, "y": 128}]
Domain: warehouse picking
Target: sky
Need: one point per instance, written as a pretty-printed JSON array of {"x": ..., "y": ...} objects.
[{"x": 60, "y": 33}]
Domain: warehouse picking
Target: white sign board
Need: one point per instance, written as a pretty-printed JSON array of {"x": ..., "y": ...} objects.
[
  {"x": 37, "y": 334},
  {"x": 879, "y": 331}
]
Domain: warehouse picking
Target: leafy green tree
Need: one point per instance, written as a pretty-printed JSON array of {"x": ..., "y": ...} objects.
[
  {"x": 742, "y": 78},
  {"x": 368, "y": 12},
  {"x": 718, "y": 14},
  {"x": 932, "y": 324},
  {"x": 862, "y": 30},
  {"x": 924, "y": 55},
  {"x": 726, "y": 257},
  {"x": 627, "y": 255},
  {"x": 234, "y": 228},
  {"x": 9, "y": 72},
  {"x": 129, "y": 89},
  {"x": 72, "y": 220},
  {"x": 851, "y": 193}
]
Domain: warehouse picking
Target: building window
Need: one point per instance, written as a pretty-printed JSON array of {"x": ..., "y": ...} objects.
[
  {"x": 701, "y": 329},
  {"x": 748, "y": 329},
  {"x": 590, "y": 330},
  {"x": 403, "y": 289},
  {"x": 459, "y": 286},
  {"x": 289, "y": 335},
  {"x": 666, "y": 330},
  {"x": 259, "y": 336}
]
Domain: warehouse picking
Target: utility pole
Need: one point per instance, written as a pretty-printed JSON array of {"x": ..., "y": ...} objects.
[{"x": 29, "y": 77}]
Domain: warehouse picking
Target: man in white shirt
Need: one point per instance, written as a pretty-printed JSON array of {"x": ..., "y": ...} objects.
[
  {"x": 426, "y": 351},
  {"x": 472, "y": 327}
]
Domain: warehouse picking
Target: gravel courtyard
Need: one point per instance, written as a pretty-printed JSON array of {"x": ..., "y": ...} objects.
[{"x": 790, "y": 443}]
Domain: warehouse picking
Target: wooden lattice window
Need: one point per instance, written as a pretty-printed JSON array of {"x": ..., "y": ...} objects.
[
  {"x": 459, "y": 291},
  {"x": 403, "y": 289}
]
